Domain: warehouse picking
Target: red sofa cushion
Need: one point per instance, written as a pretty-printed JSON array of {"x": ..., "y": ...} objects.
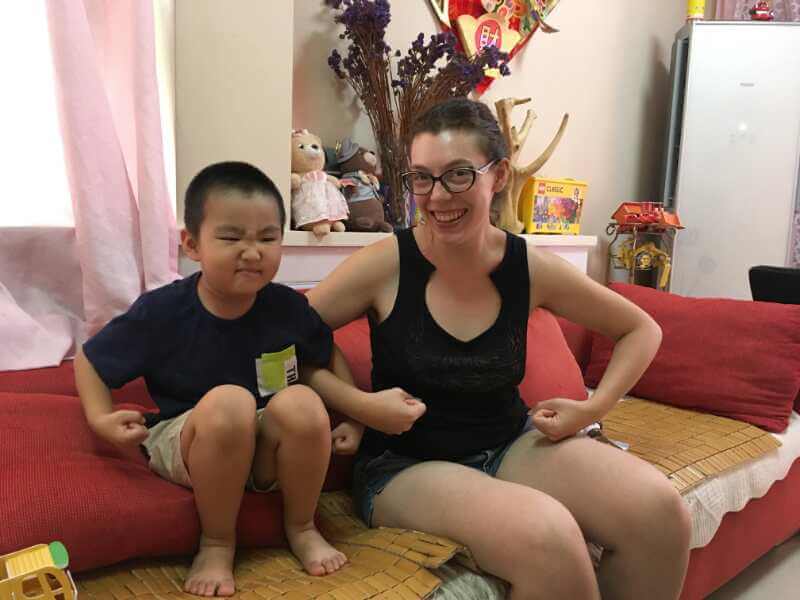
[
  {"x": 734, "y": 358},
  {"x": 579, "y": 340},
  {"x": 63, "y": 483},
  {"x": 50, "y": 380},
  {"x": 353, "y": 341},
  {"x": 550, "y": 368},
  {"x": 61, "y": 380},
  {"x": 58, "y": 481}
]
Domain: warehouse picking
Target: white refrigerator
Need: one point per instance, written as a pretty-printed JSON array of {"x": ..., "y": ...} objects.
[{"x": 732, "y": 160}]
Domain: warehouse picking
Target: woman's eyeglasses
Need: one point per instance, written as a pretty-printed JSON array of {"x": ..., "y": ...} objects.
[{"x": 455, "y": 181}]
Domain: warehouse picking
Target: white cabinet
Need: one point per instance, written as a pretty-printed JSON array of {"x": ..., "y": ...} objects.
[
  {"x": 734, "y": 152},
  {"x": 306, "y": 261}
]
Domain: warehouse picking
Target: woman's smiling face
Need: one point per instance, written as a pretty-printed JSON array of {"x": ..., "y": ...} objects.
[{"x": 458, "y": 216}]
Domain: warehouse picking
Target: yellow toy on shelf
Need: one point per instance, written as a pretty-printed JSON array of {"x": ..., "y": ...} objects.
[
  {"x": 644, "y": 258},
  {"x": 37, "y": 573},
  {"x": 552, "y": 205}
]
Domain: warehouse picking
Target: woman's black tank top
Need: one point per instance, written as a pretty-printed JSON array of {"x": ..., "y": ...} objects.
[{"x": 470, "y": 388}]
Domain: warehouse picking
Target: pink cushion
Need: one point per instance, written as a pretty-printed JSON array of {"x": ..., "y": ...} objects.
[
  {"x": 550, "y": 368},
  {"x": 735, "y": 358}
]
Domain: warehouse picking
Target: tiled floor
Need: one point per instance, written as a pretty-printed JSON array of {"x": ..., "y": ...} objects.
[{"x": 775, "y": 576}]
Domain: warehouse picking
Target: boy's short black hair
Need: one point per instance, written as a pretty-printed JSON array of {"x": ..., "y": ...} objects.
[{"x": 231, "y": 175}]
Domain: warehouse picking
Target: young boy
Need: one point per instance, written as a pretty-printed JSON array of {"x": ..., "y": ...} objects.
[{"x": 220, "y": 353}]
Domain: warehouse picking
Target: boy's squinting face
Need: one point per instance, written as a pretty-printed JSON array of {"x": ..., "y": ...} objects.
[{"x": 239, "y": 243}]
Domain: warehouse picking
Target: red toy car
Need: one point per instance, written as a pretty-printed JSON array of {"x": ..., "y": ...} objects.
[
  {"x": 644, "y": 216},
  {"x": 762, "y": 12}
]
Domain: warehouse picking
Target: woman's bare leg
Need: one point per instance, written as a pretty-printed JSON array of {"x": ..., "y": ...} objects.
[
  {"x": 620, "y": 502},
  {"x": 514, "y": 532}
]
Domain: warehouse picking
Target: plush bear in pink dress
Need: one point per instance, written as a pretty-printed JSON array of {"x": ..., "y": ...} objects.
[{"x": 317, "y": 203}]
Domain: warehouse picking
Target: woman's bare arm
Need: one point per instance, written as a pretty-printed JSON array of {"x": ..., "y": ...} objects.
[{"x": 565, "y": 291}]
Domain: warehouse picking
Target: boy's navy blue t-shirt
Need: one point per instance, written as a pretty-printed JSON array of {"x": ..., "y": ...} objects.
[{"x": 183, "y": 351}]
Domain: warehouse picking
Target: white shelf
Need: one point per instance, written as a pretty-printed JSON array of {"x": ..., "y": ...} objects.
[
  {"x": 550, "y": 240},
  {"x": 354, "y": 239},
  {"x": 308, "y": 260},
  {"x": 334, "y": 239}
]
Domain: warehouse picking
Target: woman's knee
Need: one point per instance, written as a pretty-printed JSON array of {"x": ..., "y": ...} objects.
[
  {"x": 298, "y": 410},
  {"x": 550, "y": 530},
  {"x": 534, "y": 529},
  {"x": 670, "y": 508},
  {"x": 547, "y": 551},
  {"x": 661, "y": 516},
  {"x": 227, "y": 413}
]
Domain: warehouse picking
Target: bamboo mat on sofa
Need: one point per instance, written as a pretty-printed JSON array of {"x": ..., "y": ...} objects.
[
  {"x": 393, "y": 564},
  {"x": 386, "y": 564},
  {"x": 687, "y": 446}
]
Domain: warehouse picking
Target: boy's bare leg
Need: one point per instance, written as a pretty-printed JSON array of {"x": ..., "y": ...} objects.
[
  {"x": 217, "y": 444},
  {"x": 294, "y": 447}
]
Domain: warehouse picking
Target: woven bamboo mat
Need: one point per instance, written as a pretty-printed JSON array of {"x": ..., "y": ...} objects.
[
  {"x": 384, "y": 564},
  {"x": 271, "y": 573},
  {"x": 392, "y": 564},
  {"x": 338, "y": 523},
  {"x": 687, "y": 446}
]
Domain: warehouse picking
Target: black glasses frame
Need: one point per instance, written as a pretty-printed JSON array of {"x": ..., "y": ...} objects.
[{"x": 441, "y": 178}]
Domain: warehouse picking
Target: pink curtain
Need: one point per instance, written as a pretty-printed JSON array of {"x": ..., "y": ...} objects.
[
  {"x": 736, "y": 10},
  {"x": 125, "y": 239}
]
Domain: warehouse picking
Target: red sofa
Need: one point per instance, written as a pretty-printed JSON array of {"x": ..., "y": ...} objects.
[
  {"x": 58, "y": 482},
  {"x": 742, "y": 537}
]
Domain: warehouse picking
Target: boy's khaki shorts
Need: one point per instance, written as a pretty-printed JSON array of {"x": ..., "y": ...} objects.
[{"x": 163, "y": 446}]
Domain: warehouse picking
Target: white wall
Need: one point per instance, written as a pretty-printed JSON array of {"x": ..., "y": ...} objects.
[
  {"x": 608, "y": 68},
  {"x": 164, "y": 17},
  {"x": 233, "y": 86}
]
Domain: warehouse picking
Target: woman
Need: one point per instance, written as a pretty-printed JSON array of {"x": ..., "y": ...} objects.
[{"x": 448, "y": 304}]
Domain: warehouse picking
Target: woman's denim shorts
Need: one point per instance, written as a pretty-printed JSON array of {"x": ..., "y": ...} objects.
[{"x": 372, "y": 474}]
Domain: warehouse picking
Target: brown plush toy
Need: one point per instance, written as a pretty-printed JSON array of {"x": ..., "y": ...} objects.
[
  {"x": 317, "y": 203},
  {"x": 360, "y": 186}
]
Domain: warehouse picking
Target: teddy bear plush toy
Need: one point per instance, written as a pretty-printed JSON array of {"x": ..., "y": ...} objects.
[
  {"x": 317, "y": 203},
  {"x": 360, "y": 186}
]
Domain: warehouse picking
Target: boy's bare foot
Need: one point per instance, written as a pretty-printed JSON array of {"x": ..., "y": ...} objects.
[
  {"x": 212, "y": 570},
  {"x": 317, "y": 555}
]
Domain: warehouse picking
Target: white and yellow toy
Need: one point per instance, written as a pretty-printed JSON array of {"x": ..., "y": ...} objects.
[
  {"x": 645, "y": 258},
  {"x": 37, "y": 573}
]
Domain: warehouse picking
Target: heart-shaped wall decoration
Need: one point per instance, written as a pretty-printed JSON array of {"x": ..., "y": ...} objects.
[{"x": 507, "y": 24}]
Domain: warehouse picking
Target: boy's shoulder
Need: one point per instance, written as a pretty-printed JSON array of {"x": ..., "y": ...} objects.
[
  {"x": 163, "y": 302},
  {"x": 283, "y": 298}
]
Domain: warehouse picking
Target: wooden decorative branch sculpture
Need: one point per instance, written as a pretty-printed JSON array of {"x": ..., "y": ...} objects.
[{"x": 508, "y": 214}]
